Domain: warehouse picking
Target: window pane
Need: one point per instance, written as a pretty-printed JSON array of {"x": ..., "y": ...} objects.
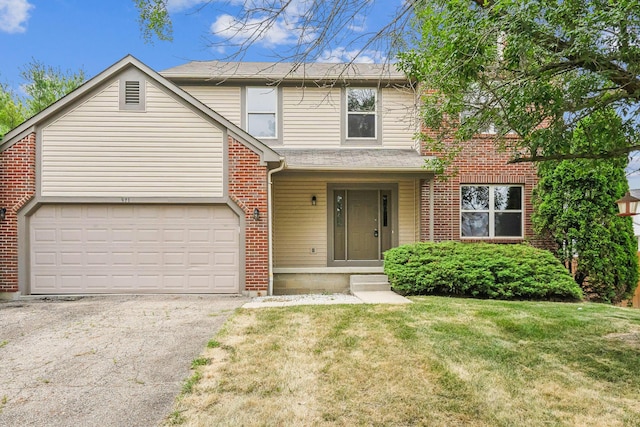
[
  {"x": 362, "y": 126},
  {"x": 475, "y": 224},
  {"x": 262, "y": 125},
  {"x": 507, "y": 198},
  {"x": 339, "y": 252},
  {"x": 361, "y": 99},
  {"x": 508, "y": 224},
  {"x": 261, "y": 100},
  {"x": 475, "y": 197}
]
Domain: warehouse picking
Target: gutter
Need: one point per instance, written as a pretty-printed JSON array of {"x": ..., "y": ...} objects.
[{"x": 270, "y": 222}]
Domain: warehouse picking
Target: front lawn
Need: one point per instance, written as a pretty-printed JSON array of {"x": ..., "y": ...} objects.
[{"x": 437, "y": 362}]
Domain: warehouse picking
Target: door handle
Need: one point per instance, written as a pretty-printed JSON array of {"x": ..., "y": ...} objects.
[{"x": 375, "y": 232}]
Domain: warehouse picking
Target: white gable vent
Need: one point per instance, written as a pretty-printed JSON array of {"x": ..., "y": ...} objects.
[{"x": 132, "y": 92}]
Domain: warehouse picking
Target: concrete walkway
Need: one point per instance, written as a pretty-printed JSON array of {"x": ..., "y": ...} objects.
[{"x": 364, "y": 297}]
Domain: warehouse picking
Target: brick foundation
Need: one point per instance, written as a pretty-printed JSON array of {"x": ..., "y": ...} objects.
[
  {"x": 248, "y": 189},
  {"x": 478, "y": 163},
  {"x": 18, "y": 180}
]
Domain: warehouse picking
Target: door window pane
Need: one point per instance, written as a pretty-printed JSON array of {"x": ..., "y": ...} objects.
[{"x": 339, "y": 232}]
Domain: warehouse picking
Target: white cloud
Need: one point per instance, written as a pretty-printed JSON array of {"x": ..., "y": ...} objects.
[
  {"x": 228, "y": 27},
  {"x": 359, "y": 24},
  {"x": 256, "y": 23},
  {"x": 341, "y": 54},
  {"x": 14, "y": 14}
]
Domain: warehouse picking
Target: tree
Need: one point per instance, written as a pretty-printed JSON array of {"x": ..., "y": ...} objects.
[
  {"x": 43, "y": 85},
  {"x": 534, "y": 68},
  {"x": 12, "y": 111},
  {"x": 574, "y": 204},
  {"x": 46, "y": 84}
]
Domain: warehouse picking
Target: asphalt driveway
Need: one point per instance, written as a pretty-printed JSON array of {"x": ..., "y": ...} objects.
[{"x": 101, "y": 361}]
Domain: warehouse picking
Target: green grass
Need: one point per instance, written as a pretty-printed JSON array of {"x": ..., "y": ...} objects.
[{"x": 439, "y": 361}]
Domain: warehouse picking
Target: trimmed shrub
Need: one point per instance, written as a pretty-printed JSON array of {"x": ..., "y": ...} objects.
[{"x": 480, "y": 270}]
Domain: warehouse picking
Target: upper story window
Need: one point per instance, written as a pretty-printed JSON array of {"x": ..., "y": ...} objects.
[
  {"x": 490, "y": 211},
  {"x": 262, "y": 105},
  {"x": 361, "y": 113},
  {"x": 475, "y": 101}
]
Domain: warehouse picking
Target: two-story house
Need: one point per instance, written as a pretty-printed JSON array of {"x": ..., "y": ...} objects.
[{"x": 237, "y": 177}]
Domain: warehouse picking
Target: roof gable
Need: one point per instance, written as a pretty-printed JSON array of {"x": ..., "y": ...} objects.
[{"x": 88, "y": 88}]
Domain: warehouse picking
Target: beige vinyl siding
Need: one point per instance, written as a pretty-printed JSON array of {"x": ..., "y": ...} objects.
[
  {"x": 408, "y": 211},
  {"x": 99, "y": 150},
  {"x": 300, "y": 227},
  {"x": 399, "y": 118},
  {"x": 311, "y": 117},
  {"x": 224, "y": 100}
]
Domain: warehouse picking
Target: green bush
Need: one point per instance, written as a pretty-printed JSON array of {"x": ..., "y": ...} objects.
[{"x": 481, "y": 270}]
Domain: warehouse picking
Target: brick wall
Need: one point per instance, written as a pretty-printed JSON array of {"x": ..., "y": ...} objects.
[
  {"x": 478, "y": 163},
  {"x": 248, "y": 188},
  {"x": 18, "y": 186}
]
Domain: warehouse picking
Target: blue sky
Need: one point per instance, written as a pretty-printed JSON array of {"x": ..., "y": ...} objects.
[{"x": 93, "y": 34}]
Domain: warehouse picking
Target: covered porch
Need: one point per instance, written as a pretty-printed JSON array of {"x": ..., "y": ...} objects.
[{"x": 335, "y": 213}]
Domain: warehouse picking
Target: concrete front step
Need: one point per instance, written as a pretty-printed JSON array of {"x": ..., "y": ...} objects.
[{"x": 369, "y": 283}]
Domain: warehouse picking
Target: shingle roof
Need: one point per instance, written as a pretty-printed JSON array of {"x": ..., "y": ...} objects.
[
  {"x": 276, "y": 71},
  {"x": 355, "y": 159}
]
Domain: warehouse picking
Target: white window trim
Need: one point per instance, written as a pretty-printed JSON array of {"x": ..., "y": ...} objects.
[
  {"x": 249, "y": 112},
  {"x": 373, "y": 113},
  {"x": 492, "y": 211}
]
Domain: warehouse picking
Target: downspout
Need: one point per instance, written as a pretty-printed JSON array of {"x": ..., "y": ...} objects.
[{"x": 270, "y": 223}]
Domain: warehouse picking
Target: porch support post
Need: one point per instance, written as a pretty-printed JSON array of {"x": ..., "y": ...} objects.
[{"x": 431, "y": 210}]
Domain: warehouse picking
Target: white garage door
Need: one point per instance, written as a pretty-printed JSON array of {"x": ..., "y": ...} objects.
[{"x": 134, "y": 248}]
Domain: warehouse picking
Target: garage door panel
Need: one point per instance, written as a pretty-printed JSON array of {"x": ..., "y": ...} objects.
[{"x": 134, "y": 248}]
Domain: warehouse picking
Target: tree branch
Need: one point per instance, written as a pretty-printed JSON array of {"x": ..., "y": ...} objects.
[{"x": 618, "y": 152}]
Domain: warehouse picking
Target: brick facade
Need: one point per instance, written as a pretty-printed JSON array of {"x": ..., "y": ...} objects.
[
  {"x": 18, "y": 180},
  {"x": 478, "y": 163},
  {"x": 248, "y": 189}
]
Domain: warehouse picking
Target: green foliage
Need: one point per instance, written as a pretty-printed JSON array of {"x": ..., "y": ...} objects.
[
  {"x": 534, "y": 68},
  {"x": 12, "y": 111},
  {"x": 574, "y": 204},
  {"x": 44, "y": 85},
  {"x": 190, "y": 383},
  {"x": 199, "y": 361},
  {"x": 479, "y": 270},
  {"x": 154, "y": 20}
]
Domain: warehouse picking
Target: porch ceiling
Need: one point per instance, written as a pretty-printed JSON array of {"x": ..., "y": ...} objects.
[{"x": 355, "y": 159}]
